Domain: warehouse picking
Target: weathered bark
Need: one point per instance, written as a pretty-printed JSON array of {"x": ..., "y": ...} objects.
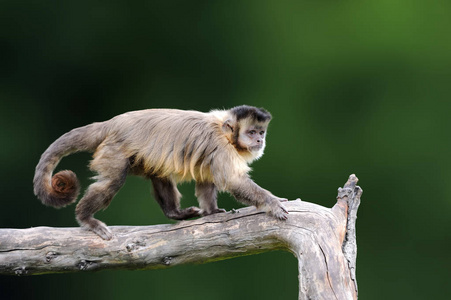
[{"x": 322, "y": 239}]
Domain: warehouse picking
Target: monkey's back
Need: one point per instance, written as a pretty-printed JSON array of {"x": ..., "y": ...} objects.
[{"x": 178, "y": 144}]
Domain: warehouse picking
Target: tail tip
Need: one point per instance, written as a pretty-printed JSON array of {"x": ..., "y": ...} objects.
[
  {"x": 63, "y": 191},
  {"x": 65, "y": 183}
]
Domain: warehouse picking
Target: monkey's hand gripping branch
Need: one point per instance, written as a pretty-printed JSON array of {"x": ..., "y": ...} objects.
[{"x": 323, "y": 240}]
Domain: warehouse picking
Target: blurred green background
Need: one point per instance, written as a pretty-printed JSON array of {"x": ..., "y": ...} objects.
[{"x": 354, "y": 87}]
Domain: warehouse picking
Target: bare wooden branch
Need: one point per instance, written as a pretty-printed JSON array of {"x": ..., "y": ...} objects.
[
  {"x": 322, "y": 239},
  {"x": 351, "y": 194}
]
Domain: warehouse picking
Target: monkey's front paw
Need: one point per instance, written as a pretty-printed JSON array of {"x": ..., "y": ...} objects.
[{"x": 279, "y": 211}]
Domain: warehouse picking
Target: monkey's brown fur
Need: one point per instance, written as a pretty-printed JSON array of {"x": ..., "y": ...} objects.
[{"x": 167, "y": 146}]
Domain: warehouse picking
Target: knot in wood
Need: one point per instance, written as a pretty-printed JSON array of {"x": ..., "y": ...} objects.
[
  {"x": 135, "y": 245},
  {"x": 84, "y": 264},
  {"x": 167, "y": 260},
  {"x": 130, "y": 247},
  {"x": 50, "y": 255},
  {"x": 21, "y": 271}
]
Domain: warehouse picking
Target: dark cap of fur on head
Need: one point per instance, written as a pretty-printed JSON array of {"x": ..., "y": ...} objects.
[{"x": 246, "y": 111}]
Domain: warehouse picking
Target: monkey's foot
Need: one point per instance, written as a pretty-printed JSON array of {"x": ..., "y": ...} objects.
[
  {"x": 186, "y": 213},
  {"x": 104, "y": 233},
  {"x": 192, "y": 212},
  {"x": 215, "y": 211},
  {"x": 98, "y": 228}
]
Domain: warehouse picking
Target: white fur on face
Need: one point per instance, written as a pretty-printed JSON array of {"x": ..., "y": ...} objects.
[{"x": 247, "y": 124}]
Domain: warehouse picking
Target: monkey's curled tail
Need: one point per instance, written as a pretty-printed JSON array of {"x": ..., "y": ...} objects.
[{"x": 63, "y": 188}]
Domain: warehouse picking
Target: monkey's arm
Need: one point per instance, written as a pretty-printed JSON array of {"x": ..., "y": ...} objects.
[{"x": 248, "y": 192}]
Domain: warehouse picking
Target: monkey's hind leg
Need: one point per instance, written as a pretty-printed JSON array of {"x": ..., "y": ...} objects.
[
  {"x": 168, "y": 197},
  {"x": 207, "y": 195},
  {"x": 112, "y": 174}
]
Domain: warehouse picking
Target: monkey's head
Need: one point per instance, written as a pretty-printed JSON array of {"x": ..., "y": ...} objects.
[{"x": 246, "y": 130}]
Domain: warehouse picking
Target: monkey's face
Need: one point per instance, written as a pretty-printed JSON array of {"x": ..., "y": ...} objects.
[
  {"x": 252, "y": 138},
  {"x": 247, "y": 136}
]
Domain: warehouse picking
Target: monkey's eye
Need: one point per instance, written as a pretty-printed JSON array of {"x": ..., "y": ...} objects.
[
  {"x": 252, "y": 132},
  {"x": 262, "y": 132}
]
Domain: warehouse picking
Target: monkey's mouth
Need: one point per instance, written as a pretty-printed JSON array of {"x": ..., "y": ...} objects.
[{"x": 255, "y": 148}]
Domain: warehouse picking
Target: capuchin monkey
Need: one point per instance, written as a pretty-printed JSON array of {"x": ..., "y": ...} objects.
[{"x": 167, "y": 146}]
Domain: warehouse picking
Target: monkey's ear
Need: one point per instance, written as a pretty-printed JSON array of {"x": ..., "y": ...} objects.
[{"x": 227, "y": 126}]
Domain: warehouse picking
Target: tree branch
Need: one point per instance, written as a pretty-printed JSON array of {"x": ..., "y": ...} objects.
[{"x": 322, "y": 239}]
